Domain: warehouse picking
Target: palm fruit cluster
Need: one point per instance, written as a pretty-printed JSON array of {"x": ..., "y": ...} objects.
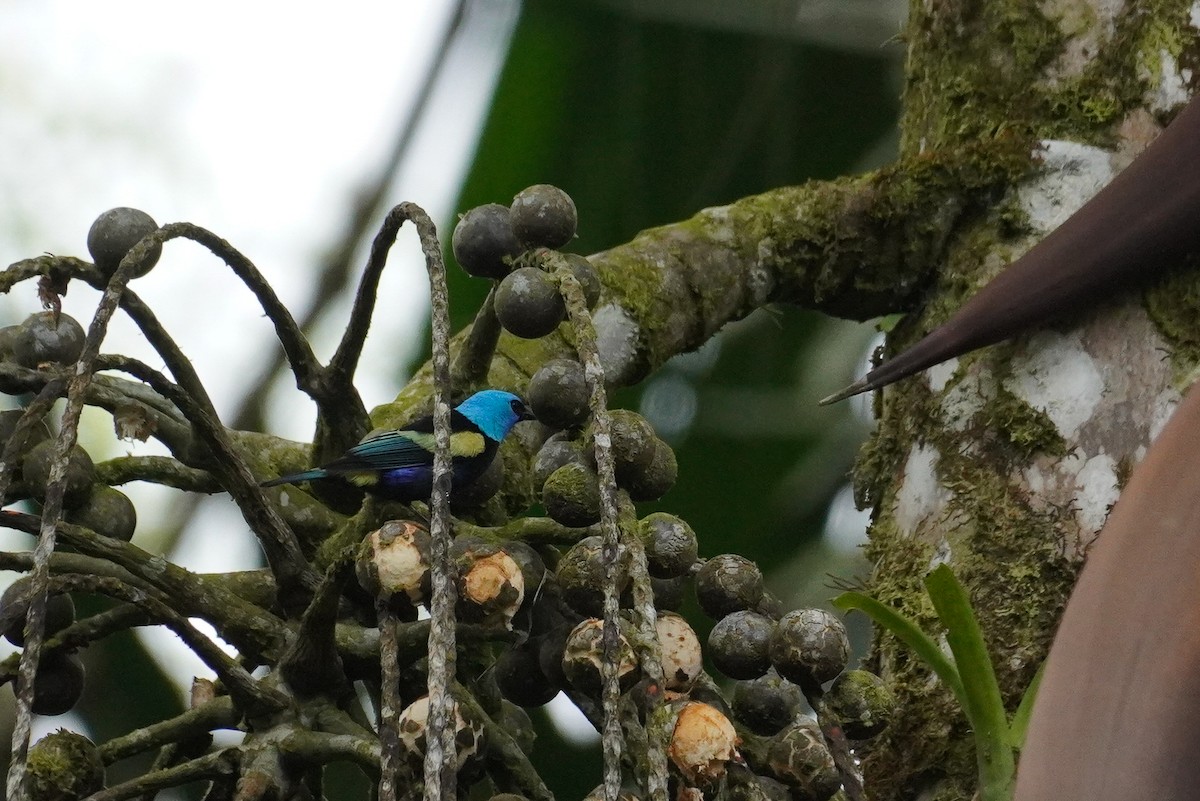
[
  {"x": 50, "y": 341},
  {"x": 753, "y": 734},
  {"x": 529, "y": 611}
]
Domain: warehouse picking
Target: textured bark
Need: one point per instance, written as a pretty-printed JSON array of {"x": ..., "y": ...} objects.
[{"x": 1005, "y": 463}]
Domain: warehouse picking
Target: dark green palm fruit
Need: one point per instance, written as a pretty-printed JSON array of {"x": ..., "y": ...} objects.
[
  {"x": 862, "y": 703},
  {"x": 558, "y": 394},
  {"x": 798, "y": 757},
  {"x": 633, "y": 444},
  {"x": 766, "y": 704},
  {"x": 528, "y": 304},
  {"x": 115, "y": 232},
  {"x": 581, "y": 575},
  {"x": 668, "y": 593},
  {"x": 108, "y": 512},
  {"x": 670, "y": 543},
  {"x": 584, "y": 653},
  {"x": 480, "y": 491},
  {"x": 8, "y": 426},
  {"x": 556, "y": 451},
  {"x": 519, "y": 675},
  {"x": 58, "y": 684},
  {"x": 483, "y": 242},
  {"x": 728, "y": 583},
  {"x": 739, "y": 644},
  {"x": 747, "y": 786},
  {"x": 550, "y": 653},
  {"x": 80, "y": 475},
  {"x": 14, "y": 606},
  {"x": 809, "y": 647},
  {"x": 770, "y": 606},
  {"x": 571, "y": 495},
  {"x": 64, "y": 766},
  {"x": 8, "y": 342},
  {"x": 586, "y": 275},
  {"x": 656, "y": 478},
  {"x": 544, "y": 216},
  {"x": 46, "y": 338}
]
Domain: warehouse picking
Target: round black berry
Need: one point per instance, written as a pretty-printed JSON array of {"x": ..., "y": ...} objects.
[
  {"x": 739, "y": 644},
  {"x": 108, "y": 512},
  {"x": 14, "y": 603},
  {"x": 671, "y": 546},
  {"x": 80, "y": 476},
  {"x": 668, "y": 593},
  {"x": 556, "y": 451},
  {"x": 633, "y": 444},
  {"x": 862, "y": 703},
  {"x": 798, "y": 757},
  {"x": 809, "y": 647},
  {"x": 544, "y": 216},
  {"x": 58, "y": 684},
  {"x": 581, "y": 574},
  {"x": 586, "y": 275},
  {"x": 116, "y": 231},
  {"x": 519, "y": 675},
  {"x": 728, "y": 583},
  {"x": 528, "y": 304},
  {"x": 558, "y": 394},
  {"x": 571, "y": 495},
  {"x": 43, "y": 339},
  {"x": 484, "y": 243},
  {"x": 651, "y": 482},
  {"x": 767, "y": 704}
]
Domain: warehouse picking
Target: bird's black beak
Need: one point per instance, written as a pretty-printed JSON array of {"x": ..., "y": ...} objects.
[{"x": 522, "y": 411}]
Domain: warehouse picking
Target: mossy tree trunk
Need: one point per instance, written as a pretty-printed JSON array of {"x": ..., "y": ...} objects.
[{"x": 1005, "y": 463}]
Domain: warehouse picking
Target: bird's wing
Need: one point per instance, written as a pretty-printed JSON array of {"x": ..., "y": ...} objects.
[
  {"x": 391, "y": 450},
  {"x": 387, "y": 450}
]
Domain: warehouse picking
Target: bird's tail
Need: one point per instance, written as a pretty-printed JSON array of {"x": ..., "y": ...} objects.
[{"x": 296, "y": 478}]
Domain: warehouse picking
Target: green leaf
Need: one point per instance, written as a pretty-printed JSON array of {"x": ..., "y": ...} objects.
[
  {"x": 1019, "y": 726},
  {"x": 910, "y": 634},
  {"x": 984, "y": 706}
]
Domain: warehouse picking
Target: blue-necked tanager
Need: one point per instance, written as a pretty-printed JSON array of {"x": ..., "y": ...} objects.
[{"x": 398, "y": 465}]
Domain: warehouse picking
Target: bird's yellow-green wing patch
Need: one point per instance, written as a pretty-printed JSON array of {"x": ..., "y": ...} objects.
[{"x": 466, "y": 444}]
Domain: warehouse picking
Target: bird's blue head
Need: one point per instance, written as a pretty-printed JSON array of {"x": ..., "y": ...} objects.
[{"x": 495, "y": 412}]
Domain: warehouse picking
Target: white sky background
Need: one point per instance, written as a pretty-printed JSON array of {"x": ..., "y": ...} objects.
[{"x": 258, "y": 122}]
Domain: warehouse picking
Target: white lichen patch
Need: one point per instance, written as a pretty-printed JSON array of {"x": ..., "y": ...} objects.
[
  {"x": 1107, "y": 388},
  {"x": 1171, "y": 92},
  {"x": 1095, "y": 492},
  {"x": 617, "y": 340},
  {"x": 1194, "y": 15},
  {"x": 1059, "y": 378},
  {"x": 965, "y": 399},
  {"x": 940, "y": 374},
  {"x": 921, "y": 496},
  {"x": 1071, "y": 174}
]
